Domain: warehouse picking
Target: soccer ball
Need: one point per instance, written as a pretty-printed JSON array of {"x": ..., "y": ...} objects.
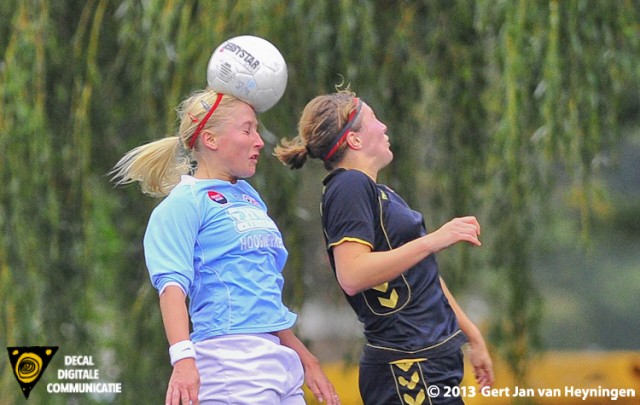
[{"x": 249, "y": 68}]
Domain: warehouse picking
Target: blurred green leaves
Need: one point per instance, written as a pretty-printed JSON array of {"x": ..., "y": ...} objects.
[{"x": 489, "y": 105}]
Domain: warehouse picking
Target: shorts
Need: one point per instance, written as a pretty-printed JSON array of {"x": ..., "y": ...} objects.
[
  {"x": 248, "y": 369},
  {"x": 413, "y": 381}
]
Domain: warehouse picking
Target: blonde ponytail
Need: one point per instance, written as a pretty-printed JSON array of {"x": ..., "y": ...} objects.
[{"x": 157, "y": 166}]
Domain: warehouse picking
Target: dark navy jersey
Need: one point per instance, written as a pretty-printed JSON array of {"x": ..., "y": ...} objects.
[{"x": 409, "y": 314}]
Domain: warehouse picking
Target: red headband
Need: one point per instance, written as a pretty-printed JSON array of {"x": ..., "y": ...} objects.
[
  {"x": 343, "y": 134},
  {"x": 192, "y": 141}
]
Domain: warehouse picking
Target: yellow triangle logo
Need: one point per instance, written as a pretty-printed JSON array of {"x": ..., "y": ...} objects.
[
  {"x": 419, "y": 399},
  {"x": 390, "y": 302},
  {"x": 404, "y": 365},
  {"x": 28, "y": 364},
  {"x": 411, "y": 384},
  {"x": 382, "y": 287}
]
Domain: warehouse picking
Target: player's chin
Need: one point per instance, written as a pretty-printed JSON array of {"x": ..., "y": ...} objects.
[
  {"x": 250, "y": 170},
  {"x": 389, "y": 156}
]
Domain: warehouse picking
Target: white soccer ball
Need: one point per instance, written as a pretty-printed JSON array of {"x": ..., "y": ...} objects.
[{"x": 249, "y": 68}]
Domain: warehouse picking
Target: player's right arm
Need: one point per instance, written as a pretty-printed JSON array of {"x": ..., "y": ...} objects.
[
  {"x": 185, "y": 379},
  {"x": 358, "y": 268}
]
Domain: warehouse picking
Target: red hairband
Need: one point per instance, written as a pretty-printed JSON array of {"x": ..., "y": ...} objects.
[
  {"x": 343, "y": 134},
  {"x": 192, "y": 141}
]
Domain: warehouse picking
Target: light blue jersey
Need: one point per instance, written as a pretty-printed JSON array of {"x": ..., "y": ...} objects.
[{"x": 215, "y": 240}]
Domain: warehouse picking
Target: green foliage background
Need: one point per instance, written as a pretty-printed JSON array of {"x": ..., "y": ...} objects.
[{"x": 492, "y": 107}]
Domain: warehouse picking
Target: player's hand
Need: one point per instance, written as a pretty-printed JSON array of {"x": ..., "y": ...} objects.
[
  {"x": 482, "y": 364},
  {"x": 184, "y": 383},
  {"x": 463, "y": 229},
  {"x": 320, "y": 385}
]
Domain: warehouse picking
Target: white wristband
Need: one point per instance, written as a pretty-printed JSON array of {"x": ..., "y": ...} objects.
[{"x": 181, "y": 350}]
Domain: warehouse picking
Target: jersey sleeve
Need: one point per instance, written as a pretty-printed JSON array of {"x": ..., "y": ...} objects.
[
  {"x": 349, "y": 209},
  {"x": 169, "y": 243}
]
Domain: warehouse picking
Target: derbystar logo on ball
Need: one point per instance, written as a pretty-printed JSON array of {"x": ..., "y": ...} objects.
[{"x": 250, "y": 61}]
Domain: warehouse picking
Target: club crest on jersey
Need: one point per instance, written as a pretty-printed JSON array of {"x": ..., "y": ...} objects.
[
  {"x": 250, "y": 200},
  {"x": 217, "y": 197}
]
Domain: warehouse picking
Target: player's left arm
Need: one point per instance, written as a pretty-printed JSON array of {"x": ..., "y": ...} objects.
[
  {"x": 479, "y": 354},
  {"x": 314, "y": 377}
]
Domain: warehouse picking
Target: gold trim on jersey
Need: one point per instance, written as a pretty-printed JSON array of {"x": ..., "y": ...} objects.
[
  {"x": 419, "y": 350},
  {"x": 350, "y": 239},
  {"x": 388, "y": 302}
]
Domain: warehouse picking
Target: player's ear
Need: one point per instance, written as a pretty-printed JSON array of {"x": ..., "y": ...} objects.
[
  {"x": 209, "y": 140},
  {"x": 354, "y": 141}
]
